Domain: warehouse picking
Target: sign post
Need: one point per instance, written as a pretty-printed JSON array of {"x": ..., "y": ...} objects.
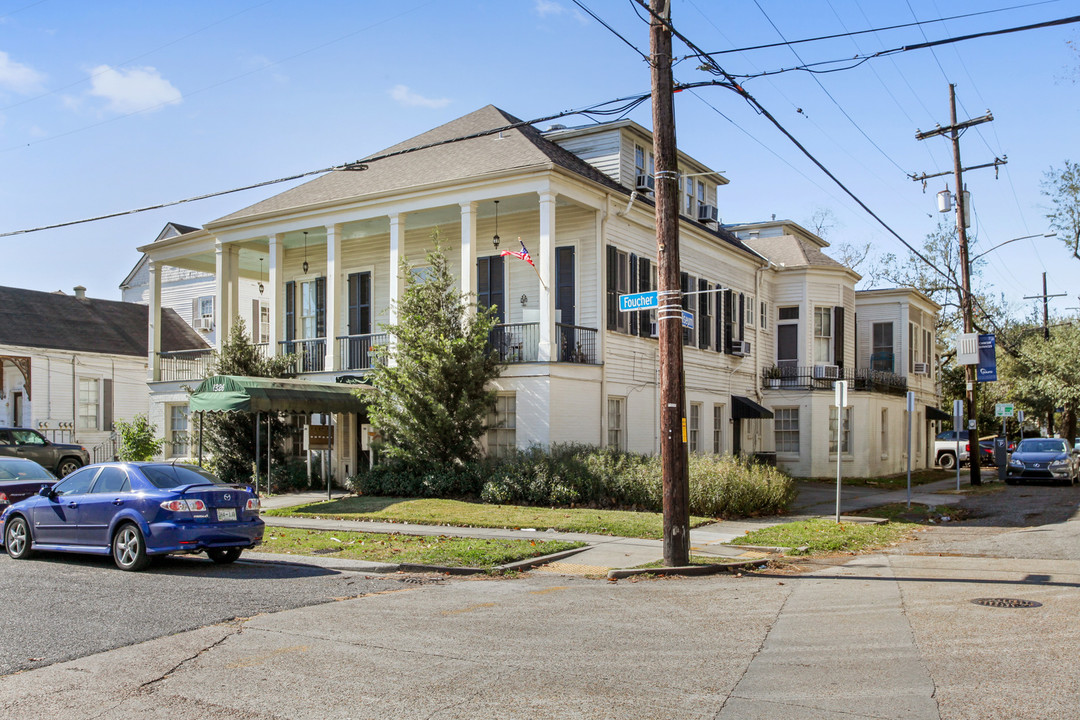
[
  {"x": 910, "y": 412},
  {"x": 957, "y": 423},
  {"x": 841, "y": 402}
]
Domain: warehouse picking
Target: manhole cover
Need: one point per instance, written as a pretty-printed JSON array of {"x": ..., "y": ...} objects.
[{"x": 1006, "y": 603}]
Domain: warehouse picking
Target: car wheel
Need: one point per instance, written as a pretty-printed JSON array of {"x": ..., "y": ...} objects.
[
  {"x": 17, "y": 539},
  {"x": 947, "y": 461},
  {"x": 129, "y": 548},
  {"x": 223, "y": 556},
  {"x": 67, "y": 466}
]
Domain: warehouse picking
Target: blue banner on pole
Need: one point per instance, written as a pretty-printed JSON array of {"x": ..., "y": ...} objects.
[{"x": 987, "y": 369}]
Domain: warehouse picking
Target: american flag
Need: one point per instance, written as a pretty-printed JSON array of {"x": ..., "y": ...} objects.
[{"x": 523, "y": 255}]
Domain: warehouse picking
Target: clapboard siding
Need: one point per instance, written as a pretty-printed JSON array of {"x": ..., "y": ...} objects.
[{"x": 601, "y": 150}]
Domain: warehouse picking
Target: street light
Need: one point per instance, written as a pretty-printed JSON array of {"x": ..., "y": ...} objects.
[{"x": 1053, "y": 234}]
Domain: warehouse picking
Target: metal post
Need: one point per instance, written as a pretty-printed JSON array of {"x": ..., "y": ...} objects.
[
  {"x": 958, "y": 419},
  {"x": 200, "y": 437},
  {"x": 910, "y": 412},
  {"x": 269, "y": 450},
  {"x": 840, "y": 386},
  {"x": 258, "y": 453}
]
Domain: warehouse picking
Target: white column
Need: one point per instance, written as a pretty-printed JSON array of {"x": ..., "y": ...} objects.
[
  {"x": 395, "y": 262},
  {"x": 468, "y": 254},
  {"x": 234, "y": 284},
  {"x": 221, "y": 292},
  {"x": 277, "y": 292},
  {"x": 153, "y": 340},
  {"x": 548, "y": 350},
  {"x": 333, "y": 265}
]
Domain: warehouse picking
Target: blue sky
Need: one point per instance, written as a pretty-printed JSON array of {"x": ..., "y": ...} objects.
[{"x": 114, "y": 105}]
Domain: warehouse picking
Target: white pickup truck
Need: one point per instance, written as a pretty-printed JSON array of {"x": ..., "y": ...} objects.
[{"x": 945, "y": 449}]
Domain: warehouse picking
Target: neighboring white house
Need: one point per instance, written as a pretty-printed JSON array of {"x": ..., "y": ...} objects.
[
  {"x": 578, "y": 370},
  {"x": 70, "y": 365},
  {"x": 191, "y": 293}
]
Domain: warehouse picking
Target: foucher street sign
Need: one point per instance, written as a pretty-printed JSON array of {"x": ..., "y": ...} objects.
[{"x": 639, "y": 301}]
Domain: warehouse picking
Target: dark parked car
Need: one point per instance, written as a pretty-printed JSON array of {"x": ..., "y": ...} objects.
[
  {"x": 134, "y": 511},
  {"x": 60, "y": 458},
  {"x": 20, "y": 479},
  {"x": 1044, "y": 459}
]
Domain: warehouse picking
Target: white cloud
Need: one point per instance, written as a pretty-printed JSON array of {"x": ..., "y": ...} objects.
[
  {"x": 132, "y": 90},
  {"x": 18, "y": 77},
  {"x": 550, "y": 8},
  {"x": 407, "y": 97}
]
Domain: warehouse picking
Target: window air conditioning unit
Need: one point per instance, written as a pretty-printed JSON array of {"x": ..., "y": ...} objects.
[
  {"x": 204, "y": 324},
  {"x": 645, "y": 183},
  {"x": 826, "y": 372},
  {"x": 707, "y": 213},
  {"x": 740, "y": 348},
  {"x": 921, "y": 368}
]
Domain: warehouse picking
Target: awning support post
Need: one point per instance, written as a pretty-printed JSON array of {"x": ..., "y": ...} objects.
[
  {"x": 258, "y": 453},
  {"x": 200, "y": 437}
]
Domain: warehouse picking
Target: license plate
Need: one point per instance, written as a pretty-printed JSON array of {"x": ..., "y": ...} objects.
[{"x": 226, "y": 515}]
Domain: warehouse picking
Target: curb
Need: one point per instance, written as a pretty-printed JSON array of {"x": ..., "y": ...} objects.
[
  {"x": 498, "y": 569},
  {"x": 684, "y": 570}
]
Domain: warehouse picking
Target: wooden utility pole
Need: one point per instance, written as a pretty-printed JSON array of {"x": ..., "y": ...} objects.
[
  {"x": 672, "y": 385},
  {"x": 1046, "y": 336},
  {"x": 966, "y": 304}
]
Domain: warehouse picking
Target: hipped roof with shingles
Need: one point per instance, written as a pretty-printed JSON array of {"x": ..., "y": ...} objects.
[
  {"x": 519, "y": 148},
  {"x": 31, "y": 318},
  {"x": 792, "y": 251}
]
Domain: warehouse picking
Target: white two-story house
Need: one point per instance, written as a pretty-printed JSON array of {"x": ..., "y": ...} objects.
[{"x": 580, "y": 199}]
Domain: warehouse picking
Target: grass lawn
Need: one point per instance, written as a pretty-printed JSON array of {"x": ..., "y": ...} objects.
[
  {"x": 465, "y": 514},
  {"x": 892, "y": 482},
  {"x": 823, "y": 536},
  {"x": 397, "y": 548}
]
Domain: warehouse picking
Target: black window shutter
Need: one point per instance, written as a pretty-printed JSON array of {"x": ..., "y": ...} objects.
[
  {"x": 565, "y": 286},
  {"x": 633, "y": 288},
  {"x": 644, "y": 285},
  {"x": 290, "y": 310},
  {"x": 354, "y": 303},
  {"x": 719, "y": 319},
  {"x": 703, "y": 315},
  {"x": 838, "y": 335},
  {"x": 320, "y": 307},
  {"x": 496, "y": 286},
  {"x": 612, "y": 284},
  {"x": 106, "y": 404},
  {"x": 729, "y": 315},
  {"x": 742, "y": 316},
  {"x": 483, "y": 282},
  {"x": 364, "y": 302},
  {"x": 684, "y": 285}
]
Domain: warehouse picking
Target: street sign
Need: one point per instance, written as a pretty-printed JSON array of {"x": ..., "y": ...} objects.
[
  {"x": 688, "y": 319},
  {"x": 639, "y": 301},
  {"x": 1003, "y": 410},
  {"x": 840, "y": 386},
  {"x": 1020, "y": 416}
]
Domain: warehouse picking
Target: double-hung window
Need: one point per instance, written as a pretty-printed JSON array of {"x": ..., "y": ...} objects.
[
  {"x": 823, "y": 342},
  {"x": 502, "y": 425},
  {"x": 786, "y": 426},
  {"x": 845, "y": 441},
  {"x": 89, "y": 403},
  {"x": 616, "y": 420}
]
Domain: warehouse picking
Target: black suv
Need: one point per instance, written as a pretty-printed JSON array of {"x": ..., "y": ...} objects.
[{"x": 61, "y": 458}]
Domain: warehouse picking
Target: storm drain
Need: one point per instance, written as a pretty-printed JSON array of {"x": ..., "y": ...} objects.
[
  {"x": 1006, "y": 603},
  {"x": 420, "y": 580}
]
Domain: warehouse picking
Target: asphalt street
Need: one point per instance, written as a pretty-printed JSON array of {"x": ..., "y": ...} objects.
[{"x": 889, "y": 635}]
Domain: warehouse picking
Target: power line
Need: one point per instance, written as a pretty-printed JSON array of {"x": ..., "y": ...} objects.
[
  {"x": 733, "y": 85},
  {"x": 871, "y": 30},
  {"x": 613, "y": 31},
  {"x": 929, "y": 45},
  {"x": 830, "y": 95},
  {"x": 601, "y": 109}
]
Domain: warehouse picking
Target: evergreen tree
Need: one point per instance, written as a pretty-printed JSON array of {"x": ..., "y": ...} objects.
[
  {"x": 431, "y": 399},
  {"x": 231, "y": 436}
]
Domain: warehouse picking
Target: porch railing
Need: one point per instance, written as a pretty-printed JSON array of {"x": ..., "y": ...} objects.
[
  {"x": 515, "y": 342},
  {"x": 576, "y": 344},
  {"x": 105, "y": 450},
  {"x": 822, "y": 377},
  {"x": 360, "y": 352},
  {"x": 184, "y": 364},
  {"x": 310, "y": 354}
]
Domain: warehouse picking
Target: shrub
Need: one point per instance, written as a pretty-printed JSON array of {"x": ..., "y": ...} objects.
[
  {"x": 574, "y": 474},
  {"x": 138, "y": 439},
  {"x": 291, "y": 476}
]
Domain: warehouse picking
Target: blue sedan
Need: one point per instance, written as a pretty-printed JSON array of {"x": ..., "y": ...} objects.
[{"x": 133, "y": 511}]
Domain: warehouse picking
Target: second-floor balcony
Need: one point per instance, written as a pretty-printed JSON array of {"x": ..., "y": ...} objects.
[
  {"x": 822, "y": 377},
  {"x": 185, "y": 364},
  {"x": 520, "y": 343}
]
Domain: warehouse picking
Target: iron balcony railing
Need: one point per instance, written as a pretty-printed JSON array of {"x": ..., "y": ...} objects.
[
  {"x": 184, "y": 364},
  {"x": 310, "y": 354},
  {"x": 822, "y": 377},
  {"x": 576, "y": 344},
  {"x": 515, "y": 342},
  {"x": 361, "y": 352},
  {"x": 105, "y": 450}
]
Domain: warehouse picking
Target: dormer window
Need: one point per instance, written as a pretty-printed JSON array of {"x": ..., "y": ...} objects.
[
  {"x": 639, "y": 161},
  {"x": 689, "y": 189}
]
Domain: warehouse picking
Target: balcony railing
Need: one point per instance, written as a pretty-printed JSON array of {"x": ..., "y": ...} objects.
[
  {"x": 576, "y": 344},
  {"x": 184, "y": 364},
  {"x": 360, "y": 352},
  {"x": 310, "y": 354},
  {"x": 823, "y": 377},
  {"x": 515, "y": 342}
]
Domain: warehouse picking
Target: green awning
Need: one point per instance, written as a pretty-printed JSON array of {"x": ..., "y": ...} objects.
[
  {"x": 932, "y": 413},
  {"x": 233, "y": 393}
]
